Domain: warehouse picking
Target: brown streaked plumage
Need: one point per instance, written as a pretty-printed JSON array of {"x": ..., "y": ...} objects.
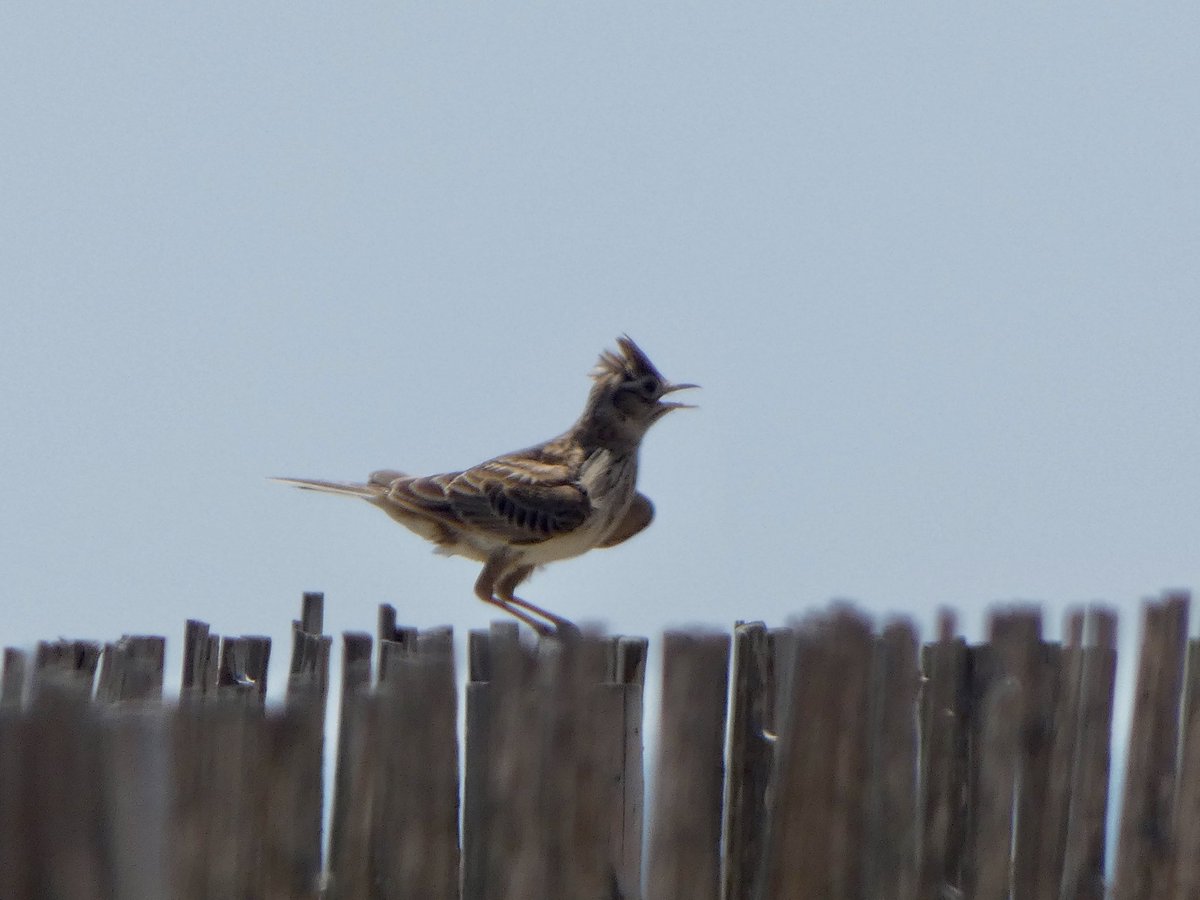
[{"x": 548, "y": 502}]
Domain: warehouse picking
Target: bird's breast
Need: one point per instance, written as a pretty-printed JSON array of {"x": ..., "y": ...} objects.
[{"x": 609, "y": 480}]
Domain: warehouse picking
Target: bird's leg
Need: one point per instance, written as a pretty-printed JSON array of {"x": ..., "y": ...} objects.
[
  {"x": 485, "y": 591},
  {"x": 507, "y": 583}
]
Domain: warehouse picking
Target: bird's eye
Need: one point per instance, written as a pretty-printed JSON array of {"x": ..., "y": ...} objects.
[{"x": 649, "y": 386}]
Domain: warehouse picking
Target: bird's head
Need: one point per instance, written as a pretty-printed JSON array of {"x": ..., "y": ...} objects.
[{"x": 627, "y": 397}]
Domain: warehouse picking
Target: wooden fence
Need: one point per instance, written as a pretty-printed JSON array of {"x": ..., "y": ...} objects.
[{"x": 821, "y": 760}]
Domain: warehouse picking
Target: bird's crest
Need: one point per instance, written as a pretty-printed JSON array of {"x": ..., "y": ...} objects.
[{"x": 631, "y": 363}]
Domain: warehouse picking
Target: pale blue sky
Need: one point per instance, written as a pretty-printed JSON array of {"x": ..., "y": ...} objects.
[{"x": 936, "y": 267}]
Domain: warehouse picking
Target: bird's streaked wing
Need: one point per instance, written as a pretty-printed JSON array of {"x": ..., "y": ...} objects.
[{"x": 516, "y": 498}]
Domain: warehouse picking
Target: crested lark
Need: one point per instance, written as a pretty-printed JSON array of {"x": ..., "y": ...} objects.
[{"x": 551, "y": 501}]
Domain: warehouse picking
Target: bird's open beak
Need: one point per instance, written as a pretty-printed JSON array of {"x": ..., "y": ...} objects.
[{"x": 667, "y": 405}]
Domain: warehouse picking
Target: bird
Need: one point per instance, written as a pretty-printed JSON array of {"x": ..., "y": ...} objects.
[{"x": 555, "y": 500}]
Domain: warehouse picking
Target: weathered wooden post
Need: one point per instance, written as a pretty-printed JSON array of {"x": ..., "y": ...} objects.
[
  {"x": 822, "y": 761},
  {"x": 291, "y": 841},
  {"x": 553, "y": 803},
  {"x": 751, "y": 754},
  {"x": 944, "y": 760},
  {"x": 1145, "y": 855},
  {"x": 350, "y": 826},
  {"x": 890, "y": 842},
  {"x": 414, "y": 844},
  {"x": 14, "y": 678},
  {"x": 136, "y": 787},
  {"x": 685, "y": 832},
  {"x": 1006, "y": 702},
  {"x": 63, "y": 807},
  {"x": 1084, "y": 846},
  {"x": 200, "y": 659},
  {"x": 624, "y": 697},
  {"x": 132, "y": 669}
]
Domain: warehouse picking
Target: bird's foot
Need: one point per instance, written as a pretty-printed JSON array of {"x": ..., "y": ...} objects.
[
  {"x": 566, "y": 630},
  {"x": 544, "y": 622},
  {"x": 556, "y": 629}
]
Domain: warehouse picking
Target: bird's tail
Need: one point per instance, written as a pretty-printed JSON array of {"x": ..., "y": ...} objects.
[{"x": 348, "y": 488}]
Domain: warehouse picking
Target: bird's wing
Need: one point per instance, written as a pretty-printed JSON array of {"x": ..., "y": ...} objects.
[
  {"x": 385, "y": 477},
  {"x": 640, "y": 515},
  {"x": 516, "y": 498}
]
